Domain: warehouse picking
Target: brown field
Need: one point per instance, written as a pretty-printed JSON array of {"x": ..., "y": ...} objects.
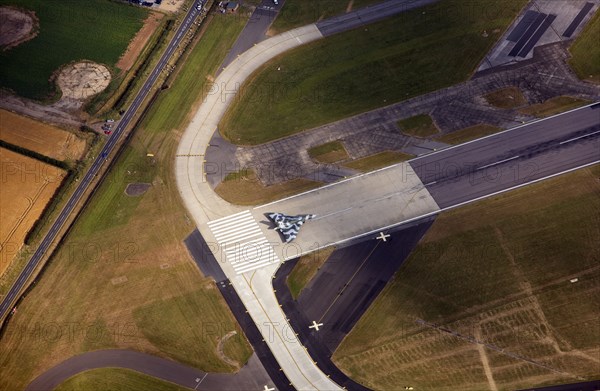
[
  {"x": 139, "y": 41},
  {"x": 498, "y": 295},
  {"x": 40, "y": 137},
  {"x": 26, "y": 187}
]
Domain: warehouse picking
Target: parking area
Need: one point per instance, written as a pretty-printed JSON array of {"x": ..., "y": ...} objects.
[{"x": 541, "y": 23}]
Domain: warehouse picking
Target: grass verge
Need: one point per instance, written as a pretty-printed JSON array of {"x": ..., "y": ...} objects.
[
  {"x": 554, "y": 106},
  {"x": 296, "y": 13},
  {"x": 439, "y": 45},
  {"x": 586, "y": 52},
  {"x": 506, "y": 98},
  {"x": 498, "y": 271},
  {"x": 418, "y": 126},
  {"x": 124, "y": 257},
  {"x": 306, "y": 268},
  {"x": 116, "y": 379},
  {"x": 96, "y": 30},
  {"x": 328, "y": 153},
  {"x": 468, "y": 134},
  {"x": 244, "y": 188},
  {"x": 379, "y": 160}
]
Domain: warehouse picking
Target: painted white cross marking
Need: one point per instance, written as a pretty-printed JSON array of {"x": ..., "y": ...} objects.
[
  {"x": 383, "y": 236},
  {"x": 268, "y": 389},
  {"x": 315, "y": 325}
]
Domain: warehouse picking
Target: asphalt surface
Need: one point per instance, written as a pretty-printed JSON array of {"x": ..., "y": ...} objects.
[
  {"x": 512, "y": 158},
  {"x": 101, "y": 159},
  {"x": 251, "y": 377},
  {"x": 342, "y": 290},
  {"x": 256, "y": 339},
  {"x": 255, "y": 30},
  {"x": 367, "y": 15},
  {"x": 586, "y": 386},
  {"x": 204, "y": 257}
]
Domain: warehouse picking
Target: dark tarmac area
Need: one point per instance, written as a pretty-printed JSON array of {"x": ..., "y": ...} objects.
[
  {"x": 586, "y": 386},
  {"x": 342, "y": 290}
]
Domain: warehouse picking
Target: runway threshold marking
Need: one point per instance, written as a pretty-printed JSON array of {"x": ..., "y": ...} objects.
[{"x": 244, "y": 244}]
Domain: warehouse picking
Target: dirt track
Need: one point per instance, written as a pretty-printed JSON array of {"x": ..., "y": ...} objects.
[
  {"x": 16, "y": 26},
  {"x": 139, "y": 41}
]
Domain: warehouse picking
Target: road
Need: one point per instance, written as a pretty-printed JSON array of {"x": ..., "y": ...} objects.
[
  {"x": 251, "y": 377},
  {"x": 100, "y": 160}
]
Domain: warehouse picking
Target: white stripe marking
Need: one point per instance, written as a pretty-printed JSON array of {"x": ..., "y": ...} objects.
[
  {"x": 577, "y": 138},
  {"x": 501, "y": 161}
]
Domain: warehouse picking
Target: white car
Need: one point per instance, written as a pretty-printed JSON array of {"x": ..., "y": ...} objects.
[{"x": 276, "y": 2}]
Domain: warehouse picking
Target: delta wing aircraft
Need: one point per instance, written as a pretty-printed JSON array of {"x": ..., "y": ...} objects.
[{"x": 289, "y": 226}]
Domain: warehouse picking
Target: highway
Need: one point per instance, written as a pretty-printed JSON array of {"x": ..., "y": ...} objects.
[{"x": 76, "y": 197}]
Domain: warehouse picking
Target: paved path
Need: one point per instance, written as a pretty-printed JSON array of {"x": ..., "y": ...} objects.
[{"x": 251, "y": 377}]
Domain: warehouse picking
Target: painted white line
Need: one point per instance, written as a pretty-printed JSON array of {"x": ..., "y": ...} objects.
[
  {"x": 332, "y": 213},
  {"x": 243, "y": 236},
  {"x": 235, "y": 230},
  {"x": 577, "y": 138},
  {"x": 430, "y": 183},
  {"x": 444, "y": 209},
  {"x": 253, "y": 244},
  {"x": 226, "y": 224},
  {"x": 234, "y": 227},
  {"x": 500, "y": 162},
  {"x": 502, "y": 132},
  {"x": 210, "y": 223}
]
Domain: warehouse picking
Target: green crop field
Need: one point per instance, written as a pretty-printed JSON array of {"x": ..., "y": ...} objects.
[
  {"x": 123, "y": 270},
  {"x": 116, "y": 379},
  {"x": 506, "y": 286},
  {"x": 437, "y": 46},
  {"x": 70, "y": 30}
]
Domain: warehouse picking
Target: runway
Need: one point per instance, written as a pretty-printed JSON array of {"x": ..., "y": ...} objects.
[{"x": 512, "y": 158}]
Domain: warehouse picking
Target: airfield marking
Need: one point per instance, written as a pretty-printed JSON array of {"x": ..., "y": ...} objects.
[
  {"x": 383, "y": 236},
  {"x": 315, "y": 325},
  {"x": 501, "y": 161},
  {"x": 244, "y": 244},
  {"x": 577, "y": 138}
]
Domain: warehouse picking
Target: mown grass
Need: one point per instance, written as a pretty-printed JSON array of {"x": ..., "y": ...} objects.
[
  {"x": 96, "y": 30},
  {"x": 436, "y": 46},
  {"x": 328, "y": 153},
  {"x": 506, "y": 98},
  {"x": 500, "y": 268},
  {"x": 554, "y": 106},
  {"x": 116, "y": 379},
  {"x": 379, "y": 160},
  {"x": 586, "y": 52},
  {"x": 418, "y": 126},
  {"x": 188, "y": 314},
  {"x": 244, "y": 188},
  {"x": 124, "y": 258},
  {"x": 306, "y": 268},
  {"x": 468, "y": 134},
  {"x": 296, "y": 13}
]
